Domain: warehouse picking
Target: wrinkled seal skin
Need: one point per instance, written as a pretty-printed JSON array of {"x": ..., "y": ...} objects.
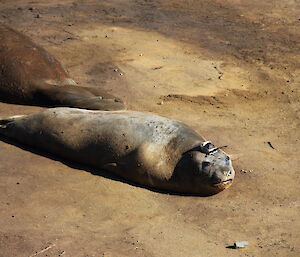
[
  {"x": 30, "y": 75},
  {"x": 141, "y": 147}
]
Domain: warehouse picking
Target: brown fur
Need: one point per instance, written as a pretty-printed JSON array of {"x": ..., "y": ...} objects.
[{"x": 30, "y": 75}]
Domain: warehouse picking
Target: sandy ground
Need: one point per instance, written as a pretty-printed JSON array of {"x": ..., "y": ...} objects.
[{"x": 227, "y": 68}]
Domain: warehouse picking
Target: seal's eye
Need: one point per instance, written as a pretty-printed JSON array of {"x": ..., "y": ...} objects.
[{"x": 205, "y": 164}]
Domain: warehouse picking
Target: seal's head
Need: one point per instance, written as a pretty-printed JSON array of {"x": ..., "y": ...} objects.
[{"x": 206, "y": 169}]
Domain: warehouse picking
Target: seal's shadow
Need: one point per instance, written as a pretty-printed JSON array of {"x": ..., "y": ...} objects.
[{"x": 94, "y": 171}]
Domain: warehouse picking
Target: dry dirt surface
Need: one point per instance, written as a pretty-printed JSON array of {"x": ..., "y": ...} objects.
[{"x": 227, "y": 68}]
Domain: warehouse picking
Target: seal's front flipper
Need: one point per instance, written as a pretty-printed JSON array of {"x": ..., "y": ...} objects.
[
  {"x": 78, "y": 97},
  {"x": 96, "y": 99},
  {"x": 98, "y": 103}
]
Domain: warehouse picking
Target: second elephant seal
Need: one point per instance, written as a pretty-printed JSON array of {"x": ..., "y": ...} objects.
[{"x": 30, "y": 75}]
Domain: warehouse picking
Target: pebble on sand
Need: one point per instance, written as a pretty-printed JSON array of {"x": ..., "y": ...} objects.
[{"x": 241, "y": 244}]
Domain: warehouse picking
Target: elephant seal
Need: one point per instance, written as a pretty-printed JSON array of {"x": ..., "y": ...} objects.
[
  {"x": 30, "y": 75},
  {"x": 141, "y": 147}
]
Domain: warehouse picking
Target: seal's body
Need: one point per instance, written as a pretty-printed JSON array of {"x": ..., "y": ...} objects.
[
  {"x": 30, "y": 75},
  {"x": 141, "y": 147}
]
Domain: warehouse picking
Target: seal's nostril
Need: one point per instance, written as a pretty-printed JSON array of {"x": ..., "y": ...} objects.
[{"x": 205, "y": 164}]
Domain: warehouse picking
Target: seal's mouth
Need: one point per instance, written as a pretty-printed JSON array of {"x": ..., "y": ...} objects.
[{"x": 223, "y": 183}]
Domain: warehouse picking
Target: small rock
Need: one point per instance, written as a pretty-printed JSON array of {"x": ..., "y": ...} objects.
[
  {"x": 121, "y": 74},
  {"x": 115, "y": 70},
  {"x": 241, "y": 244},
  {"x": 270, "y": 144},
  {"x": 246, "y": 171},
  {"x": 37, "y": 16},
  {"x": 141, "y": 54},
  {"x": 161, "y": 103}
]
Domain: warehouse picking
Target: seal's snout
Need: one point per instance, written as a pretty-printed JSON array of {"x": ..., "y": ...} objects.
[{"x": 223, "y": 176}]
